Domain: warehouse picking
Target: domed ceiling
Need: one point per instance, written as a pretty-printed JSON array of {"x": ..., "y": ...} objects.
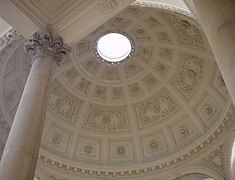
[{"x": 155, "y": 109}]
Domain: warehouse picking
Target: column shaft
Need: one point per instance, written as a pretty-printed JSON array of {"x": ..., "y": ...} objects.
[
  {"x": 21, "y": 150},
  {"x": 217, "y": 18}
]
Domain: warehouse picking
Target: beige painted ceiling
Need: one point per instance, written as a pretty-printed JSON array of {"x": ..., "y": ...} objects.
[
  {"x": 64, "y": 16},
  {"x": 157, "y": 108}
]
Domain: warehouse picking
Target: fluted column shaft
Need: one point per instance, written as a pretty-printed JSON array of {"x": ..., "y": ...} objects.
[
  {"x": 21, "y": 151},
  {"x": 217, "y": 18}
]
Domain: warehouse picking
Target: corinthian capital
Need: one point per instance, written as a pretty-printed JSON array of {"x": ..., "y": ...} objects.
[{"x": 47, "y": 43}]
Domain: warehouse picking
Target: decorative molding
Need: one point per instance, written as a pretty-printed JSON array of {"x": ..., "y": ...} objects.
[
  {"x": 107, "y": 6},
  {"x": 47, "y": 43},
  {"x": 7, "y": 38},
  {"x": 187, "y": 32},
  {"x": 215, "y": 159},
  {"x": 104, "y": 118},
  {"x": 89, "y": 149},
  {"x": 78, "y": 157},
  {"x": 156, "y": 109},
  {"x": 189, "y": 75},
  {"x": 63, "y": 104},
  {"x": 207, "y": 142},
  {"x": 162, "y": 6}
]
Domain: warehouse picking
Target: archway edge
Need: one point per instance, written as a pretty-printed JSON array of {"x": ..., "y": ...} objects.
[{"x": 196, "y": 169}]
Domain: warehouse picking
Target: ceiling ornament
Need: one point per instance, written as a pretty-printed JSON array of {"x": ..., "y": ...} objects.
[
  {"x": 8, "y": 37},
  {"x": 47, "y": 43},
  {"x": 188, "y": 32},
  {"x": 152, "y": 4},
  {"x": 104, "y": 118},
  {"x": 156, "y": 109},
  {"x": 107, "y": 6},
  {"x": 219, "y": 132},
  {"x": 63, "y": 104},
  {"x": 189, "y": 75},
  {"x": 135, "y": 118}
]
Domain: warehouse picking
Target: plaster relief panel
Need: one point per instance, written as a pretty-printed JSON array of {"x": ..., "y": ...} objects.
[
  {"x": 82, "y": 47},
  {"x": 183, "y": 130},
  {"x": 152, "y": 22},
  {"x": 145, "y": 53},
  {"x": 159, "y": 107},
  {"x": 219, "y": 84},
  {"x": 91, "y": 65},
  {"x": 134, "y": 12},
  {"x": 166, "y": 53},
  {"x": 161, "y": 68},
  {"x": 120, "y": 22},
  {"x": 188, "y": 33},
  {"x": 132, "y": 68},
  {"x": 63, "y": 104},
  {"x": 189, "y": 75},
  {"x": 100, "y": 92},
  {"x": 12, "y": 94},
  {"x": 135, "y": 89},
  {"x": 141, "y": 34},
  {"x": 215, "y": 159},
  {"x": 208, "y": 110},
  {"x": 118, "y": 93},
  {"x": 88, "y": 149},
  {"x": 106, "y": 118},
  {"x": 154, "y": 145},
  {"x": 83, "y": 86},
  {"x": 150, "y": 81},
  {"x": 121, "y": 151},
  {"x": 57, "y": 139},
  {"x": 110, "y": 74},
  {"x": 11, "y": 65},
  {"x": 70, "y": 74},
  {"x": 163, "y": 37}
]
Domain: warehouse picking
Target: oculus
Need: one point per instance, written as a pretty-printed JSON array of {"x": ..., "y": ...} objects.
[{"x": 114, "y": 47}]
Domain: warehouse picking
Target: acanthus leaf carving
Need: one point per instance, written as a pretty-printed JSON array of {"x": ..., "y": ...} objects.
[
  {"x": 188, "y": 32},
  {"x": 216, "y": 158},
  {"x": 63, "y": 104},
  {"x": 189, "y": 75},
  {"x": 106, "y": 118},
  {"x": 48, "y": 43},
  {"x": 156, "y": 109}
]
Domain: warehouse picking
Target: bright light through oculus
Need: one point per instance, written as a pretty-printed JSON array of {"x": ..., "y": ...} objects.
[{"x": 114, "y": 47}]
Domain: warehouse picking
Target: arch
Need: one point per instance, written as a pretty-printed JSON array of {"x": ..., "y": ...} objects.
[
  {"x": 197, "y": 169},
  {"x": 230, "y": 155}
]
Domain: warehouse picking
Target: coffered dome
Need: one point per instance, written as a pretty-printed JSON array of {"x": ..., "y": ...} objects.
[{"x": 156, "y": 109}]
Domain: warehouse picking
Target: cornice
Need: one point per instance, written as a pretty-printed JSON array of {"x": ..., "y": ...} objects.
[{"x": 163, "y": 6}]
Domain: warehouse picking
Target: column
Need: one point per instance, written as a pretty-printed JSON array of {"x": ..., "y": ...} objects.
[
  {"x": 21, "y": 151},
  {"x": 217, "y": 18}
]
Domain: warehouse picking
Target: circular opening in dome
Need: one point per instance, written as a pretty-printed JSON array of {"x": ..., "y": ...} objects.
[{"x": 114, "y": 48}]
